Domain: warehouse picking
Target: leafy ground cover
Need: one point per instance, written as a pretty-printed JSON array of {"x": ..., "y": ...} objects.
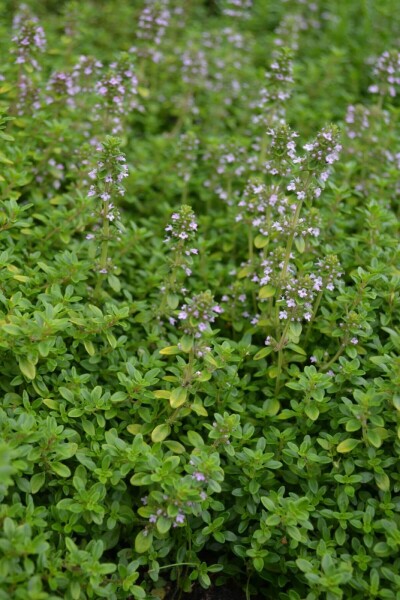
[{"x": 199, "y": 300}]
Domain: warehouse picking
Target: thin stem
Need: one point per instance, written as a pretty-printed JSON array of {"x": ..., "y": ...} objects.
[
  {"x": 334, "y": 359},
  {"x": 316, "y": 307},
  {"x": 104, "y": 249},
  {"x": 279, "y": 348},
  {"x": 250, "y": 242},
  {"x": 278, "y": 376},
  {"x": 175, "y": 565}
]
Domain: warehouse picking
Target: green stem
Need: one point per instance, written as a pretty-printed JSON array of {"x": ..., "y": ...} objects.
[
  {"x": 334, "y": 359},
  {"x": 104, "y": 249},
  {"x": 279, "y": 348},
  {"x": 175, "y": 565},
  {"x": 316, "y": 307},
  {"x": 250, "y": 242}
]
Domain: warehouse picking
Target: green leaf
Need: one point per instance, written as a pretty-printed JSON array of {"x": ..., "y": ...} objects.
[
  {"x": 267, "y": 291},
  {"x": 138, "y": 592},
  {"x": 312, "y": 412},
  {"x": 27, "y": 368},
  {"x": 175, "y": 447},
  {"x": 195, "y": 439},
  {"x": 304, "y": 565},
  {"x": 172, "y": 301},
  {"x": 143, "y": 542},
  {"x": 347, "y": 445},
  {"x": 61, "y": 469},
  {"x": 178, "y": 397},
  {"x": 382, "y": 481},
  {"x": 294, "y": 532},
  {"x": 89, "y": 347},
  {"x": 66, "y": 393},
  {"x": 37, "y": 482},
  {"x": 163, "y": 524},
  {"x": 186, "y": 343},
  {"x": 261, "y": 241},
  {"x": 300, "y": 244},
  {"x": 165, "y": 394},
  {"x": 374, "y": 438},
  {"x": 160, "y": 432},
  {"x": 262, "y": 353},
  {"x": 353, "y": 425},
  {"x": 5, "y": 160},
  {"x": 114, "y": 283},
  {"x": 297, "y": 349},
  {"x": 396, "y": 401}
]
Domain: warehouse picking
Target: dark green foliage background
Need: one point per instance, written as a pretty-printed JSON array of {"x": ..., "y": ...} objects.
[{"x": 304, "y": 502}]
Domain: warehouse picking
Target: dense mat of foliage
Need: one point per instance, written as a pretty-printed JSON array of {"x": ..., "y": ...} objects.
[{"x": 199, "y": 299}]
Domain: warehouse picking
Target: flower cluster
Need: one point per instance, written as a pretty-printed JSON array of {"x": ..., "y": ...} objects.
[
  {"x": 197, "y": 315},
  {"x": 283, "y": 151},
  {"x": 357, "y": 120},
  {"x": 107, "y": 179},
  {"x": 234, "y": 299},
  {"x": 270, "y": 266},
  {"x": 182, "y": 229},
  {"x": 117, "y": 92},
  {"x": 238, "y": 9},
  {"x": 181, "y": 232},
  {"x": 188, "y": 147},
  {"x": 28, "y": 96},
  {"x": 29, "y": 39},
  {"x": 296, "y": 302},
  {"x": 287, "y": 32},
  {"x": 324, "y": 150},
  {"x": 194, "y": 67},
  {"x": 179, "y": 518},
  {"x": 269, "y": 107},
  {"x": 61, "y": 86},
  {"x": 281, "y": 221},
  {"x": 85, "y": 72},
  {"x": 152, "y": 25},
  {"x": 329, "y": 270},
  {"x": 229, "y": 162},
  {"x": 387, "y": 74},
  {"x": 254, "y": 202}
]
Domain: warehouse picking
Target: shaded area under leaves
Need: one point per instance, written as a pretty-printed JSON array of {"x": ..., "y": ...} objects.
[{"x": 226, "y": 592}]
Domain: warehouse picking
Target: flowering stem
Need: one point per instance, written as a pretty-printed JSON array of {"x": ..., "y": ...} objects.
[
  {"x": 263, "y": 150},
  {"x": 250, "y": 242},
  {"x": 279, "y": 348},
  {"x": 316, "y": 307},
  {"x": 104, "y": 249}
]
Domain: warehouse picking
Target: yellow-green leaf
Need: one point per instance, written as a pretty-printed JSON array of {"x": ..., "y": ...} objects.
[
  {"x": 175, "y": 447},
  {"x": 178, "y": 397},
  {"x": 162, "y": 394},
  {"x": 28, "y": 368},
  {"x": 199, "y": 410},
  {"x": 262, "y": 353},
  {"x": 143, "y": 542},
  {"x": 170, "y": 350},
  {"x": 186, "y": 343},
  {"x": 347, "y": 445},
  {"x": 267, "y": 291},
  {"x": 134, "y": 428},
  {"x": 89, "y": 347},
  {"x": 296, "y": 349},
  {"x": 160, "y": 433},
  {"x": 382, "y": 481},
  {"x": 261, "y": 241}
]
